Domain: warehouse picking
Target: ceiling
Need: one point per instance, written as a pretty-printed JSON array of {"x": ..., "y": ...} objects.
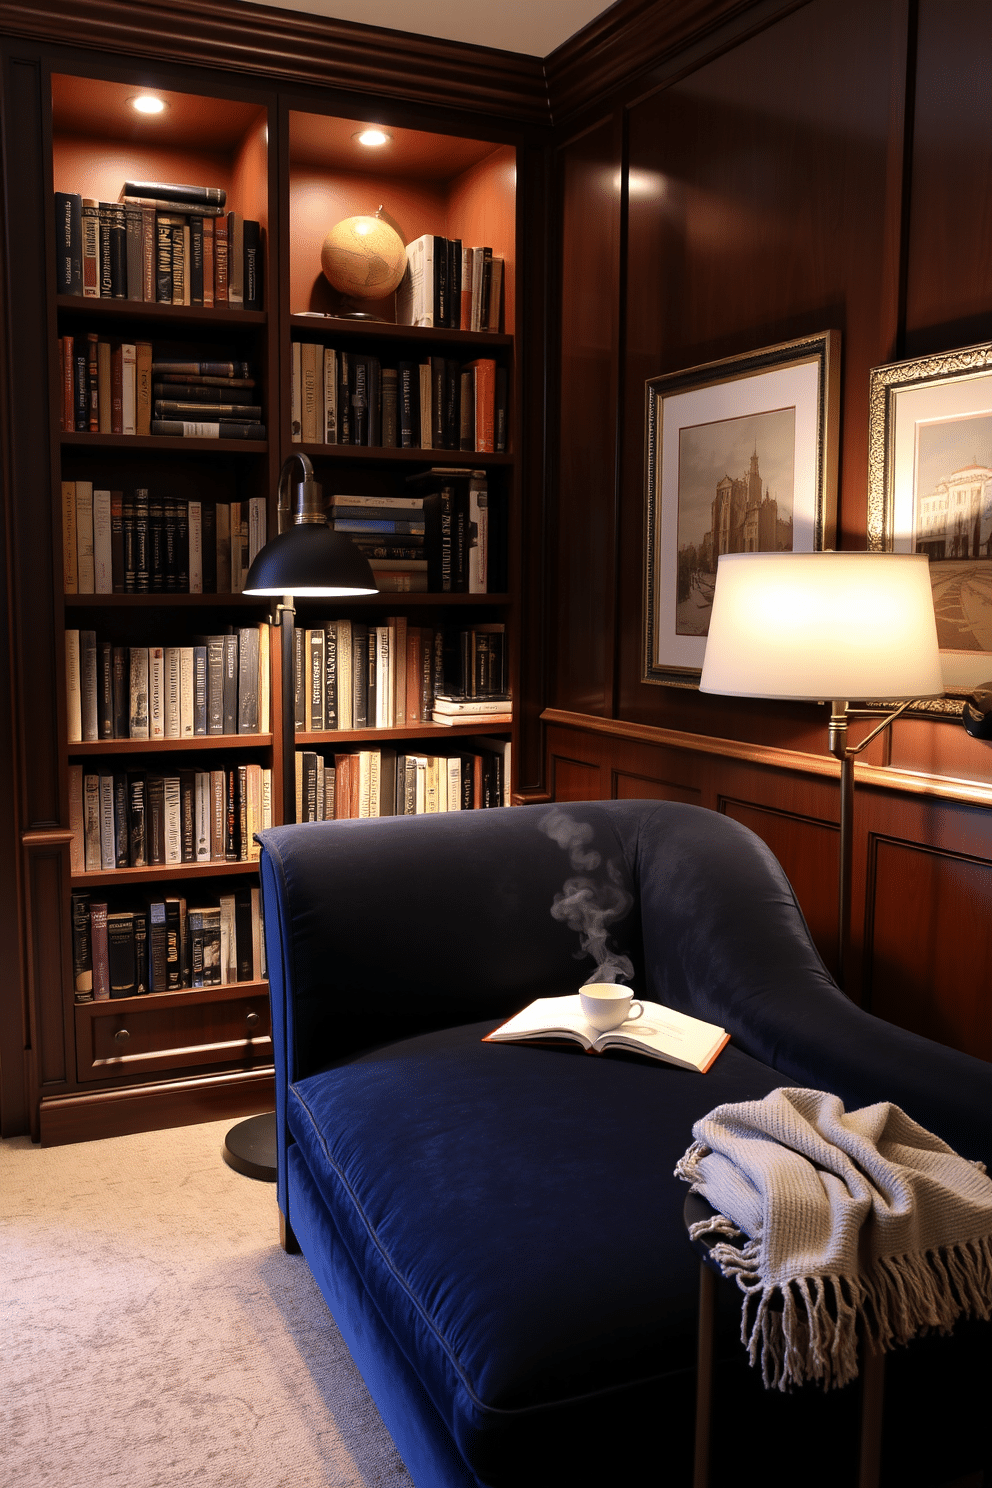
[{"x": 534, "y": 27}]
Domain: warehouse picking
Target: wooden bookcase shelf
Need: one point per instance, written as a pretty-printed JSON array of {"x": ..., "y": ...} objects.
[
  {"x": 291, "y": 163},
  {"x": 170, "y": 746},
  {"x": 171, "y": 872}
]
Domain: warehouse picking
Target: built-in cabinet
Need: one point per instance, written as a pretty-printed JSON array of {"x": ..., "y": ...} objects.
[{"x": 292, "y": 164}]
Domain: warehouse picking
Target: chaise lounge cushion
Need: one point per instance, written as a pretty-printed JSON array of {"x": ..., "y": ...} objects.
[{"x": 513, "y": 1211}]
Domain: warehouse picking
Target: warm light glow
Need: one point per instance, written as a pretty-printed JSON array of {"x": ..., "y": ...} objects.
[
  {"x": 819, "y": 626},
  {"x": 373, "y": 138},
  {"x": 146, "y": 103}
]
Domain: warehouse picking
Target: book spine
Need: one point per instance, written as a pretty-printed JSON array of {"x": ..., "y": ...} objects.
[
  {"x": 221, "y": 248},
  {"x": 208, "y": 263},
  {"x": 253, "y": 299},
  {"x": 91, "y": 248}
]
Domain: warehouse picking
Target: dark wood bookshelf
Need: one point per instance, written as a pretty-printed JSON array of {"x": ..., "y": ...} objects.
[
  {"x": 376, "y": 454},
  {"x": 371, "y": 330},
  {"x": 158, "y": 600},
  {"x": 163, "y": 873},
  {"x": 181, "y": 997},
  {"x": 190, "y": 743},
  {"x": 98, "y": 308},
  {"x": 156, "y": 443},
  {"x": 329, "y": 738}
]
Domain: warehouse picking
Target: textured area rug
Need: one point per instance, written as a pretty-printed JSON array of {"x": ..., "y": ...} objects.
[{"x": 154, "y": 1332}]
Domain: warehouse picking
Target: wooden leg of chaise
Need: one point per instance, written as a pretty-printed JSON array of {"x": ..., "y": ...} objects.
[
  {"x": 704, "y": 1376},
  {"x": 287, "y": 1239}
]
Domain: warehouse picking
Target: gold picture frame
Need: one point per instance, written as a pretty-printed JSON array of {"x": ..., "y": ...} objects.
[
  {"x": 740, "y": 455},
  {"x": 930, "y": 490}
]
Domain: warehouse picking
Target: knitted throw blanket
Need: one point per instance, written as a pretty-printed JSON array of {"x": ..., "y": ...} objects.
[{"x": 850, "y": 1217}]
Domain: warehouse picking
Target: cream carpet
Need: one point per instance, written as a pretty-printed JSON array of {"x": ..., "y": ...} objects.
[{"x": 154, "y": 1332}]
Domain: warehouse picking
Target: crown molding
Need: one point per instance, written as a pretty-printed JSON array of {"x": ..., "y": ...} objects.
[
  {"x": 288, "y": 46},
  {"x": 634, "y": 37}
]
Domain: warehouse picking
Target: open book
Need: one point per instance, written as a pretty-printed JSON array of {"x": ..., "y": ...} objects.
[{"x": 660, "y": 1032}]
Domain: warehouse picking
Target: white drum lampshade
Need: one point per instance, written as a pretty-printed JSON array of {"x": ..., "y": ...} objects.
[{"x": 819, "y": 626}]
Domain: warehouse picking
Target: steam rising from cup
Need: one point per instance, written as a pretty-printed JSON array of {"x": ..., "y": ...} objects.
[{"x": 589, "y": 906}]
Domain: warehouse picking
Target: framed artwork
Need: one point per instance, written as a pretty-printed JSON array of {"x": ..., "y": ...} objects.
[
  {"x": 930, "y": 491},
  {"x": 740, "y": 456}
]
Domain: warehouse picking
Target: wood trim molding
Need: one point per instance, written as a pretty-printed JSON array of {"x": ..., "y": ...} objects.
[
  {"x": 288, "y": 45},
  {"x": 632, "y": 37},
  {"x": 908, "y": 782},
  {"x": 137, "y": 1108}
]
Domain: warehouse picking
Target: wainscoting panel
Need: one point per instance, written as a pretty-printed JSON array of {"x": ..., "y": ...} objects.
[
  {"x": 630, "y": 787},
  {"x": 807, "y": 850},
  {"x": 929, "y": 942}
]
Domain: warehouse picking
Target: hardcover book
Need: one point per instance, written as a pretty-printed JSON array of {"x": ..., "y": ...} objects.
[{"x": 661, "y": 1032}]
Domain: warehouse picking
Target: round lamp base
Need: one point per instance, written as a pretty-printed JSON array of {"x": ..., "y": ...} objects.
[{"x": 250, "y": 1147}]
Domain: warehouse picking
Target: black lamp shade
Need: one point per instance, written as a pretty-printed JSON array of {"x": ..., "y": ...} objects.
[{"x": 310, "y": 559}]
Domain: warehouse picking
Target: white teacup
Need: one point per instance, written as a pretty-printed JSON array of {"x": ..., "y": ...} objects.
[{"x": 606, "y": 1005}]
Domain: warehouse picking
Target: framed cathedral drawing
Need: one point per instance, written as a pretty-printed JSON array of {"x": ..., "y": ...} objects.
[
  {"x": 740, "y": 456},
  {"x": 930, "y": 491}
]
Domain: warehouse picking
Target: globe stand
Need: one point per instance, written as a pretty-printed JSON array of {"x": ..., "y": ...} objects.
[{"x": 350, "y": 309}]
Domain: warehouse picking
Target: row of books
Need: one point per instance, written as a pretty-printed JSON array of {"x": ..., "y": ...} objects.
[
  {"x": 450, "y": 286},
  {"x": 383, "y": 782},
  {"x": 164, "y": 946},
  {"x": 143, "y": 542},
  {"x": 350, "y": 675},
  {"x": 221, "y": 685},
  {"x": 341, "y": 397},
  {"x": 154, "y": 246},
  {"x": 120, "y": 387},
  {"x": 143, "y": 818},
  {"x": 435, "y": 539}
]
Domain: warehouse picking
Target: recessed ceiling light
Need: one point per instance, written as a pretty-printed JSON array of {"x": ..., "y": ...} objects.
[
  {"x": 372, "y": 137},
  {"x": 147, "y": 103}
]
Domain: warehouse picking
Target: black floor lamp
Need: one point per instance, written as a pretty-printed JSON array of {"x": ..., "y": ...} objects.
[
  {"x": 819, "y": 627},
  {"x": 306, "y": 560}
]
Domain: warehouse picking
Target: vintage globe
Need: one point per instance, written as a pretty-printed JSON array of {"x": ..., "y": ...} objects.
[{"x": 363, "y": 257}]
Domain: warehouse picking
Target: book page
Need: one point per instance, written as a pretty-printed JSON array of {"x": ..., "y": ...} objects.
[
  {"x": 669, "y": 1035},
  {"x": 548, "y": 1015}
]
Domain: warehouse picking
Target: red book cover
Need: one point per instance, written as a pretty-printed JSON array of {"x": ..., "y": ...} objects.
[{"x": 485, "y": 403}]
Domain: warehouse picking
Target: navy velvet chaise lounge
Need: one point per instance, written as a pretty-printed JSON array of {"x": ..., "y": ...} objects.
[{"x": 497, "y": 1229}]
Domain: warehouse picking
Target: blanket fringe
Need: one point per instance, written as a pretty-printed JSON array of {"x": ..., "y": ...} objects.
[{"x": 806, "y": 1330}]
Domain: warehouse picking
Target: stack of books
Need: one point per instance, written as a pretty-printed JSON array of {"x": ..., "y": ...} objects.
[
  {"x": 160, "y": 243},
  {"x": 390, "y": 531}
]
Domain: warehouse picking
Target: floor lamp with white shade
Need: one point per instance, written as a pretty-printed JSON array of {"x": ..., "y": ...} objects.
[
  {"x": 826, "y": 627},
  {"x": 306, "y": 560}
]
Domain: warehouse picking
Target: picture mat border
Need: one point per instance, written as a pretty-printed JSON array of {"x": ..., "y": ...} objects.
[
  {"x": 729, "y": 388},
  {"x": 896, "y": 393}
]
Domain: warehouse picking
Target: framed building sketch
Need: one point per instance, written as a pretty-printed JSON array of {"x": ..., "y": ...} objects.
[
  {"x": 740, "y": 456},
  {"x": 930, "y": 491}
]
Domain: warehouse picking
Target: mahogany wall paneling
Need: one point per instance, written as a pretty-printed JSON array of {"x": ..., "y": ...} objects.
[
  {"x": 807, "y": 850},
  {"x": 764, "y": 192},
  {"x": 575, "y": 780},
  {"x": 629, "y": 786},
  {"x": 949, "y": 289},
  {"x": 277, "y": 44},
  {"x": 930, "y": 948},
  {"x": 583, "y": 590}
]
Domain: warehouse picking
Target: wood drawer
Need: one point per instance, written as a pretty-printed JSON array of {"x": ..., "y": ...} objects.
[{"x": 173, "y": 1031}]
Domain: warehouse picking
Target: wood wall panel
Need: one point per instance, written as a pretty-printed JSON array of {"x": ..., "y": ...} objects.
[
  {"x": 930, "y": 947},
  {"x": 584, "y": 586},
  {"x": 575, "y": 780},
  {"x": 949, "y": 280},
  {"x": 760, "y": 206},
  {"x": 628, "y": 786},
  {"x": 807, "y": 850}
]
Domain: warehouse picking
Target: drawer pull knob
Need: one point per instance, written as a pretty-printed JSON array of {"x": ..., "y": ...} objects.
[
  {"x": 121, "y": 1036},
  {"x": 252, "y": 1020}
]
